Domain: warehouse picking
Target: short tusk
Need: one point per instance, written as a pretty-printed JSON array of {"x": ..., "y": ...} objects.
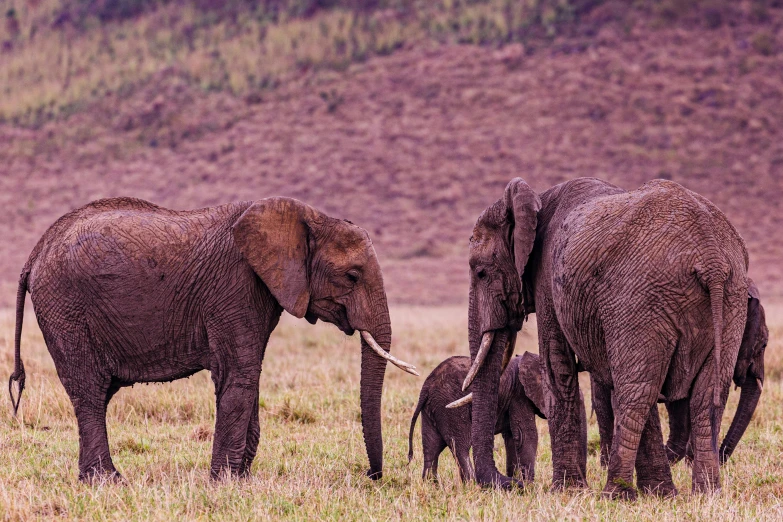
[
  {"x": 761, "y": 384},
  {"x": 486, "y": 343},
  {"x": 510, "y": 344},
  {"x": 467, "y": 399},
  {"x": 402, "y": 365}
]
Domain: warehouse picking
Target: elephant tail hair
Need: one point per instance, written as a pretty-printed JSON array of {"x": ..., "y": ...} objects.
[
  {"x": 423, "y": 396},
  {"x": 716, "y": 304},
  {"x": 18, "y": 375}
]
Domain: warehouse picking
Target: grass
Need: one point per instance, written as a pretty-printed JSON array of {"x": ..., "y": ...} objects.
[
  {"x": 50, "y": 72},
  {"x": 311, "y": 457}
]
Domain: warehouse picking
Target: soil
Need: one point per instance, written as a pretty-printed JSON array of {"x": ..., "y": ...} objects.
[{"x": 413, "y": 146}]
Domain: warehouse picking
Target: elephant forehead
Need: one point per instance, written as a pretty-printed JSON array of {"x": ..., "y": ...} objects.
[{"x": 349, "y": 245}]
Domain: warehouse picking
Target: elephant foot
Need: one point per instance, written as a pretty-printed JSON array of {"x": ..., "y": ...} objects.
[
  {"x": 618, "y": 489},
  {"x": 659, "y": 489},
  {"x": 705, "y": 488},
  {"x": 498, "y": 481},
  {"x": 569, "y": 482},
  {"x": 375, "y": 475},
  {"x": 95, "y": 476}
]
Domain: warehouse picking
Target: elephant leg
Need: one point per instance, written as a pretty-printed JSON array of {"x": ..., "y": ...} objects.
[
  {"x": 679, "y": 430},
  {"x": 602, "y": 405},
  {"x": 90, "y": 397},
  {"x": 512, "y": 458},
  {"x": 705, "y": 424},
  {"x": 235, "y": 404},
  {"x": 569, "y": 461},
  {"x": 634, "y": 403},
  {"x": 432, "y": 446},
  {"x": 461, "y": 450},
  {"x": 653, "y": 474},
  {"x": 521, "y": 441},
  {"x": 251, "y": 442}
]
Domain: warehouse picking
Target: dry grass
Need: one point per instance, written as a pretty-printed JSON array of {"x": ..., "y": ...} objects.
[{"x": 311, "y": 459}]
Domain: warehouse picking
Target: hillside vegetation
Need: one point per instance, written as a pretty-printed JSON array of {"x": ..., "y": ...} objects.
[{"x": 411, "y": 144}]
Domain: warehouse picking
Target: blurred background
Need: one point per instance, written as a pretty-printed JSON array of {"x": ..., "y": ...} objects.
[{"x": 407, "y": 117}]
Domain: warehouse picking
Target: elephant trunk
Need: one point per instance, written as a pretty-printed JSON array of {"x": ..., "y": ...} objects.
[
  {"x": 485, "y": 404},
  {"x": 749, "y": 399},
  {"x": 373, "y": 370}
]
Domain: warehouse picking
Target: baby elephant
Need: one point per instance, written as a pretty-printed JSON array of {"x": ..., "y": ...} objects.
[{"x": 520, "y": 400}]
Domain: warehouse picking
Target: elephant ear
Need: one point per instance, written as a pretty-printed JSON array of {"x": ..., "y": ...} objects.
[
  {"x": 523, "y": 204},
  {"x": 272, "y": 235},
  {"x": 753, "y": 290},
  {"x": 530, "y": 378}
]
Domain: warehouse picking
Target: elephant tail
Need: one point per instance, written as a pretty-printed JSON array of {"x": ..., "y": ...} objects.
[
  {"x": 18, "y": 375},
  {"x": 716, "y": 303},
  {"x": 423, "y": 396}
]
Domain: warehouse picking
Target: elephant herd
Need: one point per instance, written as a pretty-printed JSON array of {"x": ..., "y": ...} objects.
[{"x": 646, "y": 290}]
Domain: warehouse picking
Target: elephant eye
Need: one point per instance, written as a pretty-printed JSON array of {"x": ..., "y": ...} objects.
[
  {"x": 352, "y": 276},
  {"x": 481, "y": 273}
]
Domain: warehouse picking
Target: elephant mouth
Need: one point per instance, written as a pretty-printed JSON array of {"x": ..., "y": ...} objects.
[
  {"x": 488, "y": 340},
  {"x": 330, "y": 312}
]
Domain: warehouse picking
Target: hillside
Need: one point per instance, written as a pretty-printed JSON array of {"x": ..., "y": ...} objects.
[{"x": 415, "y": 144}]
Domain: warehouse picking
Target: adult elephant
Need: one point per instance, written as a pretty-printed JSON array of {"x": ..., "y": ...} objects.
[
  {"x": 645, "y": 289},
  {"x": 748, "y": 376},
  {"x": 126, "y": 291}
]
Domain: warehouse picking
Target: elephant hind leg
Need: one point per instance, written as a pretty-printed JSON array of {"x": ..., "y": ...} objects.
[
  {"x": 432, "y": 446},
  {"x": 635, "y": 400},
  {"x": 653, "y": 474},
  {"x": 90, "y": 397},
  {"x": 705, "y": 423}
]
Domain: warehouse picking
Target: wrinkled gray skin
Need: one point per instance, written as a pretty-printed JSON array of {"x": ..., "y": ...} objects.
[
  {"x": 126, "y": 291},
  {"x": 520, "y": 400},
  {"x": 748, "y": 372},
  {"x": 647, "y": 289}
]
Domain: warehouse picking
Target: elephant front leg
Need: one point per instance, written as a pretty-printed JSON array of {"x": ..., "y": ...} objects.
[
  {"x": 602, "y": 405},
  {"x": 230, "y": 453},
  {"x": 569, "y": 457},
  {"x": 521, "y": 441},
  {"x": 653, "y": 474},
  {"x": 251, "y": 442},
  {"x": 679, "y": 430}
]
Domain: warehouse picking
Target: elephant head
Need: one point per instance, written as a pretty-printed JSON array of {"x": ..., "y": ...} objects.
[
  {"x": 320, "y": 267},
  {"x": 501, "y": 243},
  {"x": 748, "y": 372},
  {"x": 529, "y": 375}
]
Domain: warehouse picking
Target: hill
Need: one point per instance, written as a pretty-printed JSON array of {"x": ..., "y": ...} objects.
[{"x": 414, "y": 144}]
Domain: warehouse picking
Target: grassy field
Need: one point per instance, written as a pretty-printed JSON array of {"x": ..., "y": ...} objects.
[{"x": 311, "y": 458}]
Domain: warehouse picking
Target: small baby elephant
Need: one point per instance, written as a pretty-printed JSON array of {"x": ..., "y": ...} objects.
[{"x": 520, "y": 400}]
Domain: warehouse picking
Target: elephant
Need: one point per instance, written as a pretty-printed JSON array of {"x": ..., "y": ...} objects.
[
  {"x": 126, "y": 291},
  {"x": 646, "y": 290},
  {"x": 446, "y": 425},
  {"x": 748, "y": 375}
]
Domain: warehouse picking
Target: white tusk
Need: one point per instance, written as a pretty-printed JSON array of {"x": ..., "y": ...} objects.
[
  {"x": 402, "y": 365},
  {"x": 761, "y": 384},
  {"x": 486, "y": 343},
  {"x": 467, "y": 399}
]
